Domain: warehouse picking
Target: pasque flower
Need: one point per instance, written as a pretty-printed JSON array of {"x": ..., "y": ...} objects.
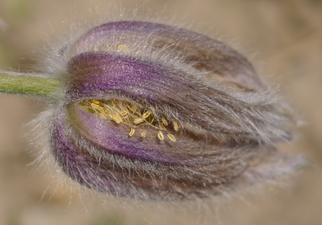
[{"x": 153, "y": 111}]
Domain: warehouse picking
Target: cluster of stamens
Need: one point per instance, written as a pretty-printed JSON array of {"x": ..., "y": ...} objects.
[{"x": 132, "y": 115}]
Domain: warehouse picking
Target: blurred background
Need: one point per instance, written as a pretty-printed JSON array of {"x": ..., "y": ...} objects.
[{"x": 282, "y": 38}]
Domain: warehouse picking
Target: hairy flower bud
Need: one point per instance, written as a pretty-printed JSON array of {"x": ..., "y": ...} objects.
[{"x": 153, "y": 111}]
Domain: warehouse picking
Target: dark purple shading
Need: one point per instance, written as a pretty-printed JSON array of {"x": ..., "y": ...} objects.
[
  {"x": 122, "y": 180},
  {"x": 114, "y": 138},
  {"x": 103, "y": 75},
  {"x": 80, "y": 166},
  {"x": 98, "y": 74},
  {"x": 99, "y": 173},
  {"x": 204, "y": 53},
  {"x": 85, "y": 144}
]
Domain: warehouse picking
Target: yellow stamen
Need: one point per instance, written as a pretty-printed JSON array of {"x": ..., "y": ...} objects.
[
  {"x": 138, "y": 120},
  {"x": 123, "y": 113},
  {"x": 171, "y": 137},
  {"x": 146, "y": 114},
  {"x": 160, "y": 135},
  {"x": 130, "y": 107},
  {"x": 96, "y": 106},
  {"x": 130, "y": 114},
  {"x": 122, "y": 48},
  {"x": 117, "y": 118},
  {"x": 131, "y": 132},
  {"x": 175, "y": 126},
  {"x": 164, "y": 121}
]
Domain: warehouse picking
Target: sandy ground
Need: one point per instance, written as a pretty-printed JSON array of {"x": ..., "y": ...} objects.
[{"x": 283, "y": 39}]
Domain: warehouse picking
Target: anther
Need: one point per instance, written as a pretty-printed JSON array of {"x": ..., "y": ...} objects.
[
  {"x": 117, "y": 118},
  {"x": 164, "y": 121},
  {"x": 171, "y": 137},
  {"x": 143, "y": 134},
  {"x": 131, "y": 132},
  {"x": 146, "y": 114},
  {"x": 138, "y": 120},
  {"x": 160, "y": 135},
  {"x": 123, "y": 113},
  {"x": 103, "y": 114},
  {"x": 96, "y": 106},
  {"x": 175, "y": 126},
  {"x": 130, "y": 107}
]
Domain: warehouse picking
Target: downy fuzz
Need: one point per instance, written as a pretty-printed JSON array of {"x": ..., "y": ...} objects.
[{"x": 152, "y": 111}]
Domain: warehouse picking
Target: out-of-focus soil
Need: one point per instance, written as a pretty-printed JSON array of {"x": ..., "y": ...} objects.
[{"x": 283, "y": 39}]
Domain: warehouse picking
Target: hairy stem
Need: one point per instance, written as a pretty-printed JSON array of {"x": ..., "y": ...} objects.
[{"x": 27, "y": 84}]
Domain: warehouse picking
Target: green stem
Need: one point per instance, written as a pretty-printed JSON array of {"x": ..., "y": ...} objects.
[{"x": 28, "y": 84}]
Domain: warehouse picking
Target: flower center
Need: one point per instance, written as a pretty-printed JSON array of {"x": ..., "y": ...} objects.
[{"x": 132, "y": 115}]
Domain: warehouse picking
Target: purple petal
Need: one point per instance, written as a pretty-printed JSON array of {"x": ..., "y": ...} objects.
[
  {"x": 226, "y": 134},
  {"x": 204, "y": 53},
  {"x": 136, "y": 178},
  {"x": 102, "y": 76}
]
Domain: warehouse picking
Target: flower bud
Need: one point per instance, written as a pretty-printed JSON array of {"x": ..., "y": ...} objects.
[{"x": 153, "y": 111}]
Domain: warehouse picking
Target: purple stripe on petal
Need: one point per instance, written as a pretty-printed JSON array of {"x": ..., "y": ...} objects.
[
  {"x": 97, "y": 74},
  {"x": 75, "y": 165},
  {"x": 102, "y": 174},
  {"x": 97, "y": 173},
  {"x": 204, "y": 53},
  {"x": 102, "y": 75},
  {"x": 114, "y": 138}
]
